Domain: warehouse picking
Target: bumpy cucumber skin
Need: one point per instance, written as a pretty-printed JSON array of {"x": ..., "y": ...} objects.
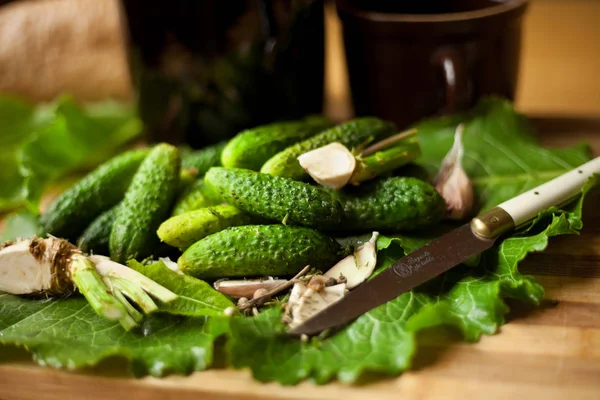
[
  {"x": 275, "y": 198},
  {"x": 259, "y": 250},
  {"x": 186, "y": 229},
  {"x": 69, "y": 215},
  {"x": 390, "y": 205},
  {"x": 351, "y": 134},
  {"x": 198, "y": 195},
  {"x": 95, "y": 238},
  {"x": 251, "y": 148},
  {"x": 146, "y": 204},
  {"x": 202, "y": 159}
]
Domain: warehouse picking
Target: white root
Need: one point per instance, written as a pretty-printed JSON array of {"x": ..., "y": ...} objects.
[
  {"x": 330, "y": 166},
  {"x": 55, "y": 267},
  {"x": 21, "y": 272},
  {"x": 357, "y": 267},
  {"x": 35, "y": 266},
  {"x": 452, "y": 182}
]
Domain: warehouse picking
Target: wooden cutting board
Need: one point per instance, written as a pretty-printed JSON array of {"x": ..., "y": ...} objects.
[{"x": 550, "y": 352}]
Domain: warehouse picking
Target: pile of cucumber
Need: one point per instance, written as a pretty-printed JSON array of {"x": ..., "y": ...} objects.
[{"x": 238, "y": 209}]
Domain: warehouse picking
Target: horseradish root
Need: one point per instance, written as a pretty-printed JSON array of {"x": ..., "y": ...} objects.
[{"x": 54, "y": 267}]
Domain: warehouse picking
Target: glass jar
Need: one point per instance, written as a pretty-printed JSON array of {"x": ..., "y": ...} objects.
[{"x": 203, "y": 70}]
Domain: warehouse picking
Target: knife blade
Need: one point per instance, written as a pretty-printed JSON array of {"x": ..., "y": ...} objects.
[{"x": 449, "y": 250}]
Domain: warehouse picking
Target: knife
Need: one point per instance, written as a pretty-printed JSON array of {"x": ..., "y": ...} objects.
[{"x": 450, "y": 250}]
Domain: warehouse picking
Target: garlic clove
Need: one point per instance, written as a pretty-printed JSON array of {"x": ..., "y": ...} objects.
[
  {"x": 295, "y": 294},
  {"x": 453, "y": 183},
  {"x": 312, "y": 302},
  {"x": 330, "y": 166},
  {"x": 357, "y": 267},
  {"x": 246, "y": 287}
]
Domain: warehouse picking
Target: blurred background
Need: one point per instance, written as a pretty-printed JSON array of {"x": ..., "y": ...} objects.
[{"x": 48, "y": 47}]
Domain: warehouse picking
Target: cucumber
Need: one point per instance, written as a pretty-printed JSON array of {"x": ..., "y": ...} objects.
[
  {"x": 390, "y": 205},
  {"x": 351, "y": 134},
  {"x": 95, "y": 238},
  {"x": 101, "y": 189},
  {"x": 198, "y": 195},
  {"x": 275, "y": 198},
  {"x": 251, "y": 148},
  {"x": 146, "y": 204},
  {"x": 202, "y": 159},
  {"x": 186, "y": 229},
  {"x": 259, "y": 250}
]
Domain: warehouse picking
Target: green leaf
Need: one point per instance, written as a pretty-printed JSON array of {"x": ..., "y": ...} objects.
[
  {"x": 22, "y": 225},
  {"x": 69, "y": 334},
  {"x": 40, "y": 144},
  {"x": 195, "y": 297},
  {"x": 502, "y": 155},
  {"x": 18, "y": 123}
]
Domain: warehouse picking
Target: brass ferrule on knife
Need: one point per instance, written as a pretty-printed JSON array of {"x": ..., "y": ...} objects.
[{"x": 492, "y": 223}]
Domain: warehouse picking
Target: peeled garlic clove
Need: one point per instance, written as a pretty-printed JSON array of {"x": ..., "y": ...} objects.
[
  {"x": 453, "y": 183},
  {"x": 295, "y": 294},
  {"x": 312, "y": 302},
  {"x": 246, "y": 288},
  {"x": 357, "y": 267},
  {"x": 330, "y": 166}
]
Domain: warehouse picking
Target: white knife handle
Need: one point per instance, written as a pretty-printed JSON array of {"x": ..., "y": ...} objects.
[
  {"x": 556, "y": 192},
  {"x": 524, "y": 207}
]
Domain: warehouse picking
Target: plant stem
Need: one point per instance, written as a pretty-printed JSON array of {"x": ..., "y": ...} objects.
[
  {"x": 110, "y": 269},
  {"x": 131, "y": 310},
  {"x": 128, "y": 323},
  {"x": 135, "y": 293},
  {"x": 90, "y": 284},
  {"x": 385, "y": 160},
  {"x": 388, "y": 142}
]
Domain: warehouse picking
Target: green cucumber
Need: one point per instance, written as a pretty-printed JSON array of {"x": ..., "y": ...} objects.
[
  {"x": 259, "y": 250},
  {"x": 186, "y": 229},
  {"x": 275, "y": 198},
  {"x": 94, "y": 239},
  {"x": 198, "y": 195},
  {"x": 251, "y": 148},
  {"x": 146, "y": 204},
  {"x": 101, "y": 189},
  {"x": 390, "y": 205},
  {"x": 352, "y": 134},
  {"x": 202, "y": 159}
]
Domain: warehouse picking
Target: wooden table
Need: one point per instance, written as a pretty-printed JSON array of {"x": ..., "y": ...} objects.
[{"x": 551, "y": 352}]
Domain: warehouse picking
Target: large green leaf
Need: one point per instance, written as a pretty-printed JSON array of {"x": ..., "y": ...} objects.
[
  {"x": 502, "y": 155},
  {"x": 19, "y": 122},
  {"x": 67, "y": 333},
  {"x": 40, "y": 144}
]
